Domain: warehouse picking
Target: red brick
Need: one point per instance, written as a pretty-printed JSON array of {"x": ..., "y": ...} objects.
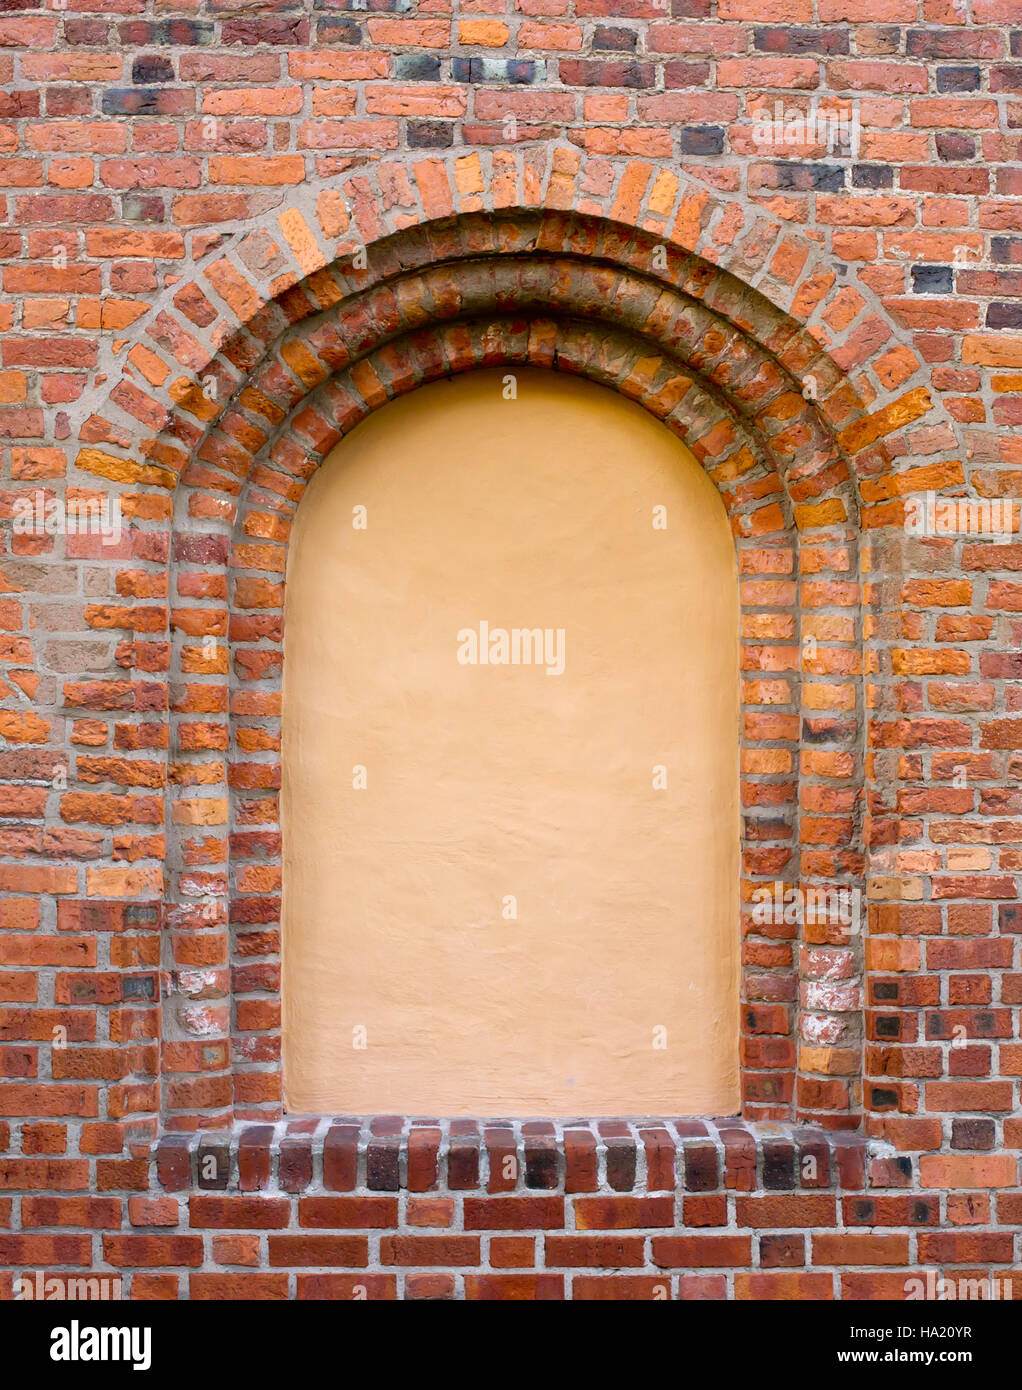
[
  {"x": 530, "y": 1288},
  {"x": 512, "y": 1252},
  {"x": 620, "y": 1213},
  {"x": 319, "y": 1250},
  {"x": 347, "y": 1286},
  {"x": 620, "y": 1288},
  {"x": 239, "y": 1213},
  {"x": 429, "y": 1250},
  {"x": 616, "y": 1252},
  {"x": 695, "y": 1252},
  {"x": 220, "y": 1288},
  {"x": 136, "y": 1251},
  {"x": 347, "y": 1213},
  {"x": 513, "y": 1213}
]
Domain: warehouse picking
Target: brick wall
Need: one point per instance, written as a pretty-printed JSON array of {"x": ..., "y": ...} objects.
[{"x": 226, "y": 236}]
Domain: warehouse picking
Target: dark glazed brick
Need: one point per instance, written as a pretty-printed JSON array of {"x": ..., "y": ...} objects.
[
  {"x": 778, "y": 1165},
  {"x": 621, "y": 1159},
  {"x": 826, "y": 731},
  {"x": 974, "y": 1134},
  {"x": 783, "y": 40},
  {"x": 932, "y": 279},
  {"x": 463, "y": 1163},
  {"x": 933, "y": 43},
  {"x": 611, "y": 40},
  {"x": 152, "y": 68},
  {"x": 383, "y": 1157},
  {"x": 872, "y": 176},
  {"x": 702, "y": 1172},
  {"x": 1004, "y": 316},
  {"x": 417, "y": 67},
  {"x": 958, "y": 79},
  {"x": 701, "y": 139},
  {"x": 541, "y": 1162},
  {"x": 430, "y": 135}
]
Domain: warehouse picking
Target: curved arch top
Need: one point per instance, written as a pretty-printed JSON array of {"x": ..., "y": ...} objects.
[
  {"x": 765, "y": 279},
  {"x": 239, "y": 385},
  {"x": 510, "y": 772}
]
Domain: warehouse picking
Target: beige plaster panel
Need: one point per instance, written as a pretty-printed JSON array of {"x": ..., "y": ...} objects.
[{"x": 491, "y": 783}]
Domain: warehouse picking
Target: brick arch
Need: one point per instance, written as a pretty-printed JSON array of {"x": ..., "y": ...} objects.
[
  {"x": 755, "y": 272},
  {"x": 274, "y": 351},
  {"x": 749, "y": 267}
]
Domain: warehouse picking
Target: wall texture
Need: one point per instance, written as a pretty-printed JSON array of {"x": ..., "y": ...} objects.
[{"x": 228, "y": 234}]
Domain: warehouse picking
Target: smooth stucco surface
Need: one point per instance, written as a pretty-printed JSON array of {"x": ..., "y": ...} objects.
[{"x": 490, "y": 782}]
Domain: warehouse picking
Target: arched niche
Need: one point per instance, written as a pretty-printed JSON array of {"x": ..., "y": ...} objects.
[{"x": 511, "y": 886}]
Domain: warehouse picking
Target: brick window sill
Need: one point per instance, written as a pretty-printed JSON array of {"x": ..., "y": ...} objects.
[{"x": 394, "y": 1154}]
